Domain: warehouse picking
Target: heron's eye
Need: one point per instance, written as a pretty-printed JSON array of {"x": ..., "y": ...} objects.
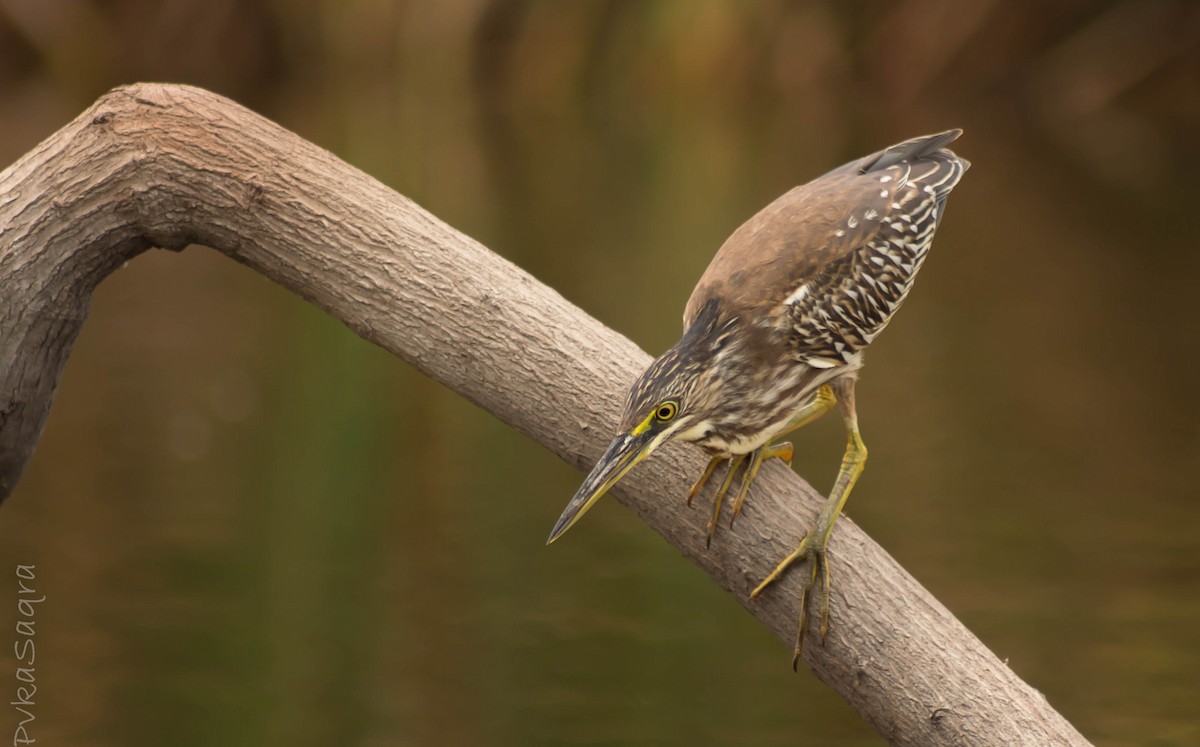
[{"x": 666, "y": 411}]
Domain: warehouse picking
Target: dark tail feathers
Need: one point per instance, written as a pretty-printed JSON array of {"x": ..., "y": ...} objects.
[{"x": 909, "y": 149}]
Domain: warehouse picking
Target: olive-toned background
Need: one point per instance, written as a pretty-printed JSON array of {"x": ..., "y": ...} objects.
[{"x": 253, "y": 528}]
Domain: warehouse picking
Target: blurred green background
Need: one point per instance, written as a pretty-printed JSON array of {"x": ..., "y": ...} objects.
[{"x": 253, "y": 528}]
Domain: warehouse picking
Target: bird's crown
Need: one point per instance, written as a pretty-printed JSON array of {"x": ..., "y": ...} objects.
[{"x": 669, "y": 387}]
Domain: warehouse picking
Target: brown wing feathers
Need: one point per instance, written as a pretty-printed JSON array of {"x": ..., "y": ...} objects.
[{"x": 836, "y": 255}]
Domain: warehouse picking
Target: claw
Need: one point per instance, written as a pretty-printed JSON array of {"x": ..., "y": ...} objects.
[
  {"x": 818, "y": 576},
  {"x": 805, "y": 598},
  {"x": 699, "y": 485}
]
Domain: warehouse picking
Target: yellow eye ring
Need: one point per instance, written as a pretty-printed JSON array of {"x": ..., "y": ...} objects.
[{"x": 666, "y": 411}]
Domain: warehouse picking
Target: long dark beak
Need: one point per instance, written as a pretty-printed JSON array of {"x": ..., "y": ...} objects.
[{"x": 624, "y": 452}]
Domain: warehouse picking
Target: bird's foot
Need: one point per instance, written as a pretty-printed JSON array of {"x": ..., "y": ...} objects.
[
  {"x": 782, "y": 451},
  {"x": 811, "y": 549},
  {"x": 751, "y": 462},
  {"x": 735, "y": 461},
  {"x": 707, "y": 473}
]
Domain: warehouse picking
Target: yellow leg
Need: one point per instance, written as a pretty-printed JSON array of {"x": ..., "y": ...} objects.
[
  {"x": 812, "y": 546},
  {"x": 822, "y": 402},
  {"x": 734, "y": 462},
  {"x": 782, "y": 451}
]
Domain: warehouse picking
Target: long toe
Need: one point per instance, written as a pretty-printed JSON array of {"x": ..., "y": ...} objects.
[
  {"x": 815, "y": 583},
  {"x": 703, "y": 480},
  {"x": 734, "y": 463},
  {"x": 800, "y": 553}
]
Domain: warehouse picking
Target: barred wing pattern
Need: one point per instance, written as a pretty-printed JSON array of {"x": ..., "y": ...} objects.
[{"x": 839, "y": 311}]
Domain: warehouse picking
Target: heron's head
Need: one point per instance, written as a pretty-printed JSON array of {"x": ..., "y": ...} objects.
[{"x": 673, "y": 400}]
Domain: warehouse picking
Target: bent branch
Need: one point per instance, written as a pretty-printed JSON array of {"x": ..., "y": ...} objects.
[{"x": 168, "y": 166}]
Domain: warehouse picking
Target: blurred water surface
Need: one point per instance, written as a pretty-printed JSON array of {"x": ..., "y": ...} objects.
[{"x": 251, "y": 527}]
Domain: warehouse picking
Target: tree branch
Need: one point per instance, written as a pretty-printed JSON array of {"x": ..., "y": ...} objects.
[{"x": 168, "y": 166}]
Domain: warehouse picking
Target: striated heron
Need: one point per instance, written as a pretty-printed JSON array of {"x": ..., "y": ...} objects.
[{"x": 774, "y": 335}]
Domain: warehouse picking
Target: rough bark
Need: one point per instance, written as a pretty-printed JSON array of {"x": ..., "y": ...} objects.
[{"x": 168, "y": 166}]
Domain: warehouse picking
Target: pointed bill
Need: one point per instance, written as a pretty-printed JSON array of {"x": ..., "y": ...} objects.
[{"x": 623, "y": 453}]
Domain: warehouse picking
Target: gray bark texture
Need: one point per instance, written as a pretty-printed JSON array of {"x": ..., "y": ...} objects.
[{"x": 168, "y": 166}]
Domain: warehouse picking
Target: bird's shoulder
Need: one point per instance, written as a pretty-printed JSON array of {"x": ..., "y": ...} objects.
[{"x": 787, "y": 243}]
